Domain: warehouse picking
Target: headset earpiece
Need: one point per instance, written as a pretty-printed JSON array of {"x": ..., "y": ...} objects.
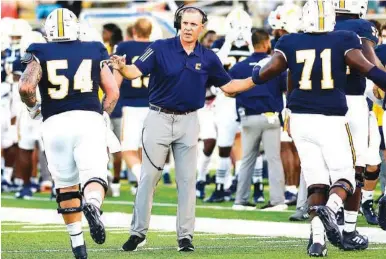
[{"x": 177, "y": 16}]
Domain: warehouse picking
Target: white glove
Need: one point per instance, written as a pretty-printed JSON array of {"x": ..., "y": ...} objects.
[
  {"x": 231, "y": 36},
  {"x": 35, "y": 111},
  {"x": 263, "y": 62}
]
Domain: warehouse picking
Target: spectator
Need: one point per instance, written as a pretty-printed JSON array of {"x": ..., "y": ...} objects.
[
  {"x": 208, "y": 38},
  {"x": 116, "y": 38},
  {"x": 107, "y": 33},
  {"x": 129, "y": 32},
  {"x": 383, "y": 33}
]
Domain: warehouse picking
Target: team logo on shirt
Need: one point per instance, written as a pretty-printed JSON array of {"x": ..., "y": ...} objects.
[{"x": 198, "y": 66}]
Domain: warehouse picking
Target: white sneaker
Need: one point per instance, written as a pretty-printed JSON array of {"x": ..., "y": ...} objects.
[
  {"x": 244, "y": 206},
  {"x": 116, "y": 189},
  {"x": 279, "y": 207},
  {"x": 133, "y": 190}
]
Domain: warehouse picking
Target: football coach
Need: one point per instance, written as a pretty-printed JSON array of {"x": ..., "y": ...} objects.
[{"x": 179, "y": 68}]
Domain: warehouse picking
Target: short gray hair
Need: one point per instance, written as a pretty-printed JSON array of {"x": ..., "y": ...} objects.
[{"x": 192, "y": 10}]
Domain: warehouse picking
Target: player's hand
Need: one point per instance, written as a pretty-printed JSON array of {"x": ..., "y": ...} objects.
[
  {"x": 118, "y": 62},
  {"x": 35, "y": 111},
  {"x": 232, "y": 36},
  {"x": 378, "y": 92}
]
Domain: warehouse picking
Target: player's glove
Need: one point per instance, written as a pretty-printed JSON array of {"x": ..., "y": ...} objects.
[
  {"x": 232, "y": 36},
  {"x": 35, "y": 111}
]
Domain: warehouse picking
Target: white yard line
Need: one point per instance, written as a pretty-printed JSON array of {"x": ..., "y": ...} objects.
[
  {"x": 156, "y": 204},
  {"x": 167, "y": 223}
]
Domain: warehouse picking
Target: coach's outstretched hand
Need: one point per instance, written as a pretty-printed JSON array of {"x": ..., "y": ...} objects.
[{"x": 118, "y": 62}]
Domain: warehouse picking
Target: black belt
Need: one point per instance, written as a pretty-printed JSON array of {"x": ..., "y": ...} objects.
[{"x": 167, "y": 111}]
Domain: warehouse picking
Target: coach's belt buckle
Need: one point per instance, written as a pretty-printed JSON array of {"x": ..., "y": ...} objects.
[{"x": 271, "y": 117}]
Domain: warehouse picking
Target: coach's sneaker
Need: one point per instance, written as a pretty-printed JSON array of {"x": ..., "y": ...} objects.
[
  {"x": 328, "y": 218},
  {"x": 134, "y": 188},
  {"x": 133, "y": 243},
  {"x": 80, "y": 252},
  {"x": 93, "y": 216},
  {"x": 277, "y": 207},
  {"x": 200, "y": 189},
  {"x": 354, "y": 241},
  {"x": 382, "y": 213},
  {"x": 185, "y": 245},
  {"x": 369, "y": 213},
  {"x": 25, "y": 193},
  {"x": 166, "y": 179},
  {"x": 258, "y": 193},
  {"x": 115, "y": 189},
  {"x": 244, "y": 206},
  {"x": 317, "y": 250},
  {"x": 301, "y": 214}
]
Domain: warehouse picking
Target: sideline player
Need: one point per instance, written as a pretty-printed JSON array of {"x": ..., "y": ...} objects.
[
  {"x": 349, "y": 16},
  {"x": 317, "y": 62},
  {"x": 69, "y": 73},
  {"x": 134, "y": 96}
]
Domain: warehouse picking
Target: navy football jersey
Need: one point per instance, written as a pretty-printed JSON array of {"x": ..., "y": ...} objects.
[
  {"x": 3, "y": 74},
  {"x": 318, "y": 70},
  {"x": 356, "y": 83},
  {"x": 133, "y": 92},
  {"x": 71, "y": 75},
  {"x": 235, "y": 55},
  {"x": 381, "y": 53},
  {"x": 10, "y": 56}
]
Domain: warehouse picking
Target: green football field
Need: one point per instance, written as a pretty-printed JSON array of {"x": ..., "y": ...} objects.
[{"x": 32, "y": 240}]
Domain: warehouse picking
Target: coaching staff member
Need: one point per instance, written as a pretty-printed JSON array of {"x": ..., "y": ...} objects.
[{"x": 179, "y": 69}]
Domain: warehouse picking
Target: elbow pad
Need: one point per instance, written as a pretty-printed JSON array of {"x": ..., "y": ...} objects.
[
  {"x": 256, "y": 75},
  {"x": 378, "y": 77}
]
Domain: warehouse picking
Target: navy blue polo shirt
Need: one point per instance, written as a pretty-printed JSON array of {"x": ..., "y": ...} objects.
[
  {"x": 178, "y": 80},
  {"x": 261, "y": 98}
]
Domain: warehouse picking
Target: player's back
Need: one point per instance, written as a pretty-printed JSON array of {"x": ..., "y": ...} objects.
[
  {"x": 318, "y": 70},
  {"x": 134, "y": 92},
  {"x": 356, "y": 83},
  {"x": 70, "y": 75},
  {"x": 236, "y": 54}
]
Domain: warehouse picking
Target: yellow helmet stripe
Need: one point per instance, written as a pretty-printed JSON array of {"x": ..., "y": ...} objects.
[
  {"x": 60, "y": 23},
  {"x": 341, "y": 3},
  {"x": 321, "y": 15}
]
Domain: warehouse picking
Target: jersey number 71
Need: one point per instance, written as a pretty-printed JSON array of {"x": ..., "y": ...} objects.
[{"x": 308, "y": 58}]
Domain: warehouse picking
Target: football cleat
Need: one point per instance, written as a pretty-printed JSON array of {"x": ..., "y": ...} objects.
[
  {"x": 379, "y": 198},
  {"x": 317, "y": 250},
  {"x": 166, "y": 179},
  {"x": 382, "y": 213},
  {"x": 80, "y": 252},
  {"x": 278, "y": 207},
  {"x": 200, "y": 189},
  {"x": 301, "y": 214},
  {"x": 133, "y": 243},
  {"x": 228, "y": 195},
  {"x": 217, "y": 196},
  {"x": 369, "y": 213},
  {"x": 185, "y": 245},
  {"x": 97, "y": 229},
  {"x": 354, "y": 241},
  {"x": 328, "y": 218},
  {"x": 25, "y": 193},
  {"x": 340, "y": 217},
  {"x": 233, "y": 187},
  {"x": 258, "y": 193},
  {"x": 290, "y": 198}
]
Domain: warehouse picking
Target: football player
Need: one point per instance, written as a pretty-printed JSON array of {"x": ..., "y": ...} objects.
[
  {"x": 134, "y": 98},
  {"x": 69, "y": 73},
  {"x": 317, "y": 62},
  {"x": 349, "y": 17},
  {"x": 235, "y": 47}
]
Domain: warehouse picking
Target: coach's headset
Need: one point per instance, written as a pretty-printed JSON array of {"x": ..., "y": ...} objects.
[{"x": 178, "y": 15}]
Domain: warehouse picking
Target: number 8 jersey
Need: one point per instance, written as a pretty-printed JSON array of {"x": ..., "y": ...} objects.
[
  {"x": 70, "y": 75},
  {"x": 318, "y": 70}
]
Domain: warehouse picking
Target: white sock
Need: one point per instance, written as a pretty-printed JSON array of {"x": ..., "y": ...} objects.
[
  {"x": 8, "y": 171},
  {"x": 94, "y": 197},
  {"x": 317, "y": 230},
  {"x": 257, "y": 176},
  {"x": 2, "y": 162},
  {"x": 223, "y": 167},
  {"x": 334, "y": 202},
  {"x": 202, "y": 166},
  {"x": 350, "y": 220},
  {"x": 34, "y": 180},
  {"x": 136, "y": 170},
  {"x": 76, "y": 233},
  {"x": 367, "y": 195},
  {"x": 166, "y": 169},
  {"x": 228, "y": 179},
  {"x": 237, "y": 167},
  {"x": 291, "y": 189},
  {"x": 18, "y": 181}
]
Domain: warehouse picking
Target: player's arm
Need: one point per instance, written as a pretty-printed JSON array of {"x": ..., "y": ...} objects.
[
  {"x": 355, "y": 59},
  {"x": 127, "y": 71},
  {"x": 110, "y": 89},
  {"x": 118, "y": 78},
  {"x": 28, "y": 82},
  {"x": 369, "y": 53},
  {"x": 274, "y": 67}
]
